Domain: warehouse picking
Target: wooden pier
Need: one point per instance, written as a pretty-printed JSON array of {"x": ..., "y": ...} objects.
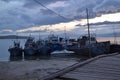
[{"x": 103, "y": 67}]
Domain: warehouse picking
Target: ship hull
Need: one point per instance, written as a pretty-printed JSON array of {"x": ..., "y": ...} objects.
[
  {"x": 29, "y": 52},
  {"x": 95, "y": 49},
  {"x": 15, "y": 51}
]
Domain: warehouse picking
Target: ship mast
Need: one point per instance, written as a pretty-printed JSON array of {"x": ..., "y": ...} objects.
[
  {"x": 88, "y": 32},
  {"x": 115, "y": 39},
  {"x": 65, "y": 36}
]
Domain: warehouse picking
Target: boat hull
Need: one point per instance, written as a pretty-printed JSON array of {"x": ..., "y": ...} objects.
[
  {"x": 16, "y": 51},
  {"x": 44, "y": 50},
  {"x": 29, "y": 52},
  {"x": 96, "y": 49}
]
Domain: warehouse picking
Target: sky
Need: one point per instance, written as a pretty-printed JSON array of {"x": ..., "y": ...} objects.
[{"x": 55, "y": 16}]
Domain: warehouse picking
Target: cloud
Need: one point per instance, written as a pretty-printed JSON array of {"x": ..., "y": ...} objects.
[
  {"x": 6, "y": 31},
  {"x": 57, "y": 4},
  {"x": 46, "y": 12},
  {"x": 106, "y": 22},
  {"x": 108, "y": 6},
  {"x": 55, "y": 27},
  {"x": 6, "y": 1},
  {"x": 102, "y": 25},
  {"x": 24, "y": 14},
  {"x": 106, "y": 17},
  {"x": 34, "y": 3}
]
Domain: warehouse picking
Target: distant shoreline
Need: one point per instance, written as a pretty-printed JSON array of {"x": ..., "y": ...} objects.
[{"x": 13, "y": 37}]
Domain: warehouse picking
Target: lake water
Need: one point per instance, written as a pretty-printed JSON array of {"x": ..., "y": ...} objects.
[
  {"x": 5, "y": 55},
  {"x": 4, "y": 46},
  {"x": 6, "y": 43}
]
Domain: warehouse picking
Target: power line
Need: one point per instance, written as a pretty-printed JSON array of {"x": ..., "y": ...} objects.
[{"x": 52, "y": 11}]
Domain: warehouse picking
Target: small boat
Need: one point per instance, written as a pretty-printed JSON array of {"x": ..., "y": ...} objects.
[
  {"x": 62, "y": 52},
  {"x": 16, "y": 50},
  {"x": 30, "y": 47}
]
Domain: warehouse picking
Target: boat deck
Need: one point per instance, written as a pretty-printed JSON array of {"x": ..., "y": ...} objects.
[{"x": 103, "y": 67}]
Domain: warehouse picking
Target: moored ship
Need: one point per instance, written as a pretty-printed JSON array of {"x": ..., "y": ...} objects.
[
  {"x": 30, "y": 47},
  {"x": 16, "y": 50},
  {"x": 82, "y": 46}
]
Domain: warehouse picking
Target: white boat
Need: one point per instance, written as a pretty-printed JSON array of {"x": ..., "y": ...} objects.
[{"x": 62, "y": 52}]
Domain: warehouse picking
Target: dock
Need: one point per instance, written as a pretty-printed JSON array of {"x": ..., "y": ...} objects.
[{"x": 103, "y": 67}]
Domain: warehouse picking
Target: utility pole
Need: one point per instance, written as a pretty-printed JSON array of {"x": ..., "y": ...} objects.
[{"x": 88, "y": 32}]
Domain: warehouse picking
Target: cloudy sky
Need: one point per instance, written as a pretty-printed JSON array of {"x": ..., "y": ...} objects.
[{"x": 31, "y": 16}]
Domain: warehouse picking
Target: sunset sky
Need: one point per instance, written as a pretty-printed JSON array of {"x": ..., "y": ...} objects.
[{"x": 54, "y": 16}]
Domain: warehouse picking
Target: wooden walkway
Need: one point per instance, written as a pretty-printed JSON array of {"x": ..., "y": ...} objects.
[{"x": 103, "y": 67}]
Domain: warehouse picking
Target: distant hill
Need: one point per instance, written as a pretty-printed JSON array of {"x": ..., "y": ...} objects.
[{"x": 13, "y": 37}]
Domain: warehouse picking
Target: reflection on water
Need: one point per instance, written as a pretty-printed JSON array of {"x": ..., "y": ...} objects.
[
  {"x": 35, "y": 57},
  {"x": 30, "y": 57},
  {"x": 24, "y": 58}
]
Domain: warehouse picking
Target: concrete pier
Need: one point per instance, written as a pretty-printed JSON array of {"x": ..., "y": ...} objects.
[{"x": 103, "y": 67}]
